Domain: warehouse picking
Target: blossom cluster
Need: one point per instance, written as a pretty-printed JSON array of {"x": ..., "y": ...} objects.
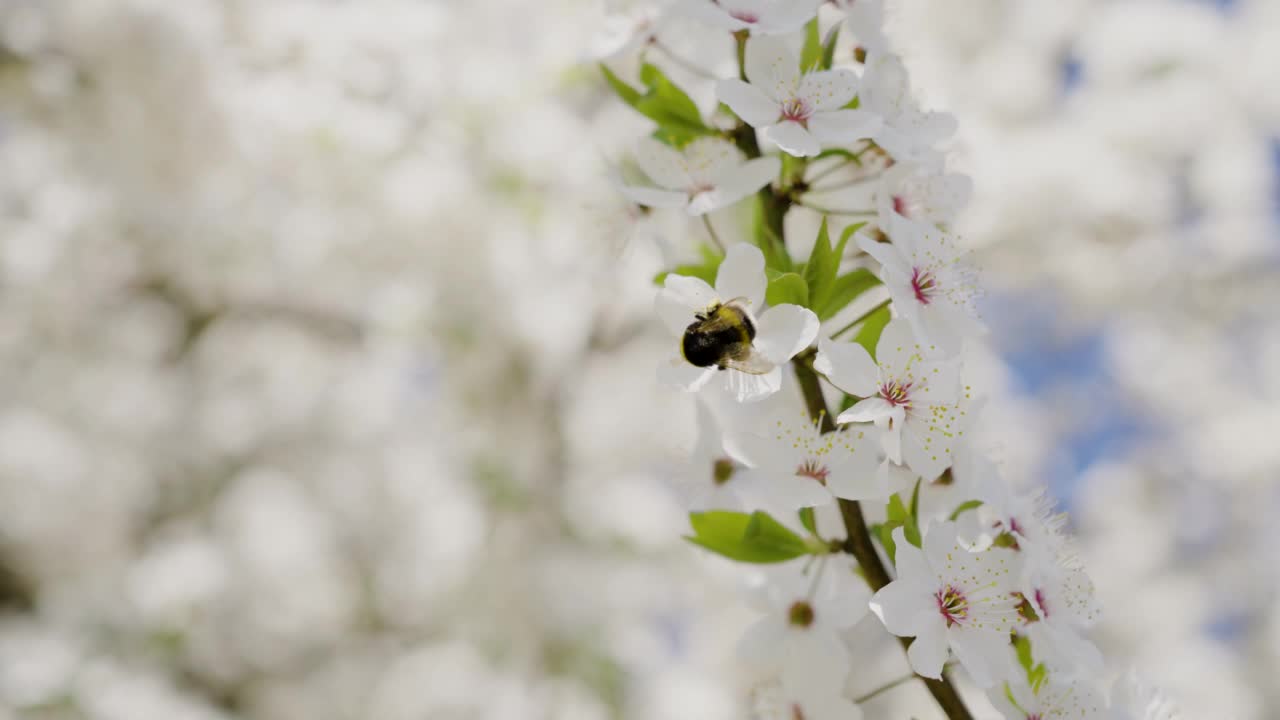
[{"x": 979, "y": 572}]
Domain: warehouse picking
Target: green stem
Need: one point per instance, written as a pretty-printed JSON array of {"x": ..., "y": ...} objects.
[
  {"x": 859, "y": 319},
  {"x": 706, "y": 221}
]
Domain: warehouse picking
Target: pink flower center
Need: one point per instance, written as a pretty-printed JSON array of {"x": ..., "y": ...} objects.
[
  {"x": 745, "y": 16},
  {"x": 1044, "y": 609},
  {"x": 797, "y": 110},
  {"x": 900, "y": 205},
  {"x": 952, "y": 605},
  {"x": 897, "y": 393},
  {"x": 924, "y": 284},
  {"x": 813, "y": 469}
]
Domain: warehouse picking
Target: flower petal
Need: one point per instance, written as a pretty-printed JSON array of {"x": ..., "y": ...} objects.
[
  {"x": 708, "y": 12},
  {"x": 677, "y": 372},
  {"x": 741, "y": 275},
  {"x": 691, "y": 292},
  {"x": 843, "y": 126},
  {"x": 737, "y": 184},
  {"x": 829, "y": 89},
  {"x": 771, "y": 66},
  {"x": 745, "y": 387},
  {"x": 869, "y": 410},
  {"x": 793, "y": 139},
  {"x": 928, "y": 652},
  {"x": 940, "y": 541},
  {"x": 888, "y": 255},
  {"x": 748, "y": 102},
  {"x": 849, "y": 366},
  {"x": 897, "y": 351},
  {"x": 984, "y": 653},
  {"x": 676, "y": 315},
  {"x": 910, "y": 560},
  {"x": 664, "y": 166},
  {"x": 905, "y": 606},
  {"x": 761, "y": 644},
  {"x": 938, "y": 383},
  {"x": 785, "y": 330},
  {"x": 653, "y": 197},
  {"x": 709, "y": 158},
  {"x": 787, "y": 16}
]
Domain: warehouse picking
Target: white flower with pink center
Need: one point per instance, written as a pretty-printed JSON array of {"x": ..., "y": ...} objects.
[
  {"x": 773, "y": 337},
  {"x": 950, "y": 598},
  {"x": 918, "y": 193},
  {"x": 805, "y": 606},
  {"x": 760, "y": 17},
  {"x": 907, "y": 133},
  {"x": 1063, "y": 606},
  {"x": 802, "y": 467},
  {"x": 799, "y": 113},
  {"x": 932, "y": 285},
  {"x": 1054, "y": 699},
  {"x": 914, "y": 399},
  {"x": 707, "y": 174}
]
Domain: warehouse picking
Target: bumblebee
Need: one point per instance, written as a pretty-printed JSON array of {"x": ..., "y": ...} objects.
[{"x": 721, "y": 336}]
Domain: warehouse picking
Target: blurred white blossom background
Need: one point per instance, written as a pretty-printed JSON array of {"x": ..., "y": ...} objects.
[{"x": 327, "y": 355}]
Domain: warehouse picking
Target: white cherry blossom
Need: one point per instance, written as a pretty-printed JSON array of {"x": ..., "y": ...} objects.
[
  {"x": 806, "y": 606},
  {"x": 707, "y": 174},
  {"x": 798, "y": 112},
  {"x": 1055, "y": 699},
  {"x": 950, "y": 598},
  {"x": 780, "y": 332},
  {"x": 930, "y": 281},
  {"x": 761, "y": 17},
  {"x": 865, "y": 20},
  {"x": 914, "y": 399},
  {"x": 784, "y": 700},
  {"x": 804, "y": 467},
  {"x": 921, "y": 193},
  {"x": 907, "y": 133},
  {"x": 1061, "y": 596},
  {"x": 627, "y": 25},
  {"x": 711, "y": 478}
]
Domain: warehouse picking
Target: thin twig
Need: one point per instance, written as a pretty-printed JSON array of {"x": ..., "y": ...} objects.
[
  {"x": 706, "y": 221},
  {"x": 860, "y": 318}
]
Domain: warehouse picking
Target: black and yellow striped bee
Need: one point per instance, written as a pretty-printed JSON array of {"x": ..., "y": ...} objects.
[{"x": 721, "y": 336}]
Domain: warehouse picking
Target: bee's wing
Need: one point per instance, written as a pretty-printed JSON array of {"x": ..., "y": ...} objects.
[{"x": 748, "y": 360}]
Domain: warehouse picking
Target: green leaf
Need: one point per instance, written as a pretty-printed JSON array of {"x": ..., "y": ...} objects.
[
  {"x": 808, "y": 521},
  {"x": 821, "y": 268},
  {"x": 629, "y": 95},
  {"x": 1022, "y": 645},
  {"x": 754, "y": 538},
  {"x": 829, "y": 47},
  {"x": 850, "y": 230},
  {"x": 787, "y": 288},
  {"x": 900, "y": 514},
  {"x": 963, "y": 508},
  {"x": 884, "y": 532},
  {"x": 665, "y": 103},
  {"x": 915, "y": 503},
  {"x": 844, "y": 290},
  {"x": 869, "y": 334},
  {"x": 811, "y": 52},
  {"x": 774, "y": 250},
  {"x": 669, "y": 97}
]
